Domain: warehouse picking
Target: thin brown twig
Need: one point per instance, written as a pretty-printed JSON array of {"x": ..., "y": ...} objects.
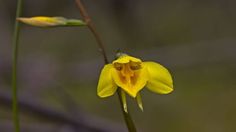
[
  {"x": 91, "y": 27},
  {"x": 128, "y": 120}
]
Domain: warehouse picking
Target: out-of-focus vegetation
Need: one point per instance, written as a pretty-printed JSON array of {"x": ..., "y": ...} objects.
[{"x": 59, "y": 67}]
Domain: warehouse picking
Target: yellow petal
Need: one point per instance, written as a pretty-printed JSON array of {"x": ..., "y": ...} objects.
[
  {"x": 160, "y": 80},
  {"x": 140, "y": 80},
  {"x": 126, "y": 59},
  {"x": 106, "y": 85}
]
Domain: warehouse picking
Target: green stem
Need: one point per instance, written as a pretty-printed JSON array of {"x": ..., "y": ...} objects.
[
  {"x": 14, "y": 68},
  {"x": 128, "y": 119}
]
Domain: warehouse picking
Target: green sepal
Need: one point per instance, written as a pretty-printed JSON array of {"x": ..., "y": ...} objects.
[
  {"x": 139, "y": 101},
  {"x": 123, "y": 99}
]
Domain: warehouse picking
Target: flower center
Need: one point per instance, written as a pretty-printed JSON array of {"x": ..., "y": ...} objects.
[{"x": 128, "y": 72}]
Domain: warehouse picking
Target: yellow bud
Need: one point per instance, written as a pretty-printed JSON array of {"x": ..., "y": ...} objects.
[{"x": 42, "y": 21}]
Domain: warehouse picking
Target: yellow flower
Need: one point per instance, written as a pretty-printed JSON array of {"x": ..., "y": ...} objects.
[{"x": 132, "y": 75}]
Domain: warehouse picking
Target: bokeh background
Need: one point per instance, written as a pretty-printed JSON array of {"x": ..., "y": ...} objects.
[{"x": 59, "y": 67}]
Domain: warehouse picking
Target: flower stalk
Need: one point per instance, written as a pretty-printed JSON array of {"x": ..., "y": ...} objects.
[
  {"x": 128, "y": 120},
  {"x": 15, "y": 108}
]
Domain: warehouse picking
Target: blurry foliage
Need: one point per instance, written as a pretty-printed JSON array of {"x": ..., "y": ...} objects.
[{"x": 61, "y": 60}]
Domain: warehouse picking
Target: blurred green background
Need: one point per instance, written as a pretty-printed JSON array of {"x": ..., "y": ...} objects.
[{"x": 59, "y": 67}]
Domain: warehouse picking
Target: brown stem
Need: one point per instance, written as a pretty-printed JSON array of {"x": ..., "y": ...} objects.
[
  {"x": 91, "y": 27},
  {"x": 128, "y": 120}
]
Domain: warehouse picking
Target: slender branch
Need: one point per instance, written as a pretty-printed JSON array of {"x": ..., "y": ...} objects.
[
  {"x": 128, "y": 120},
  {"x": 14, "y": 68},
  {"x": 91, "y": 27}
]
